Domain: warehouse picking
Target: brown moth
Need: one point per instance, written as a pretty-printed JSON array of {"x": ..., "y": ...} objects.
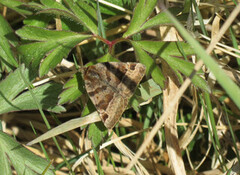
[{"x": 110, "y": 85}]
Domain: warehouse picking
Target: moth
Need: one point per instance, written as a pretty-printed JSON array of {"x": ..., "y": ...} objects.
[{"x": 110, "y": 85}]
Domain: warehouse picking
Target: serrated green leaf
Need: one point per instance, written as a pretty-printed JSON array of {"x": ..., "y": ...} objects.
[
  {"x": 53, "y": 4},
  {"x": 151, "y": 67},
  {"x": 85, "y": 13},
  {"x": 160, "y": 19},
  {"x": 34, "y": 52},
  {"x": 169, "y": 52},
  {"x": 23, "y": 161},
  {"x": 41, "y": 34},
  {"x": 57, "y": 55},
  {"x": 59, "y": 43},
  {"x": 16, "y": 6},
  {"x": 163, "y": 48},
  {"x": 142, "y": 11},
  {"x": 73, "y": 89},
  {"x": 64, "y": 13},
  {"x": 40, "y": 20},
  {"x": 186, "y": 68}
]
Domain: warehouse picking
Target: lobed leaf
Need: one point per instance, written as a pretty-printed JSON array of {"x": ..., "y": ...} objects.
[
  {"x": 142, "y": 11},
  {"x": 162, "y": 19},
  {"x": 85, "y": 13},
  {"x": 59, "y": 43},
  {"x": 169, "y": 51},
  {"x": 151, "y": 67}
]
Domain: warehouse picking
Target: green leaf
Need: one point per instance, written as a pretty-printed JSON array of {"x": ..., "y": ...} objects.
[
  {"x": 33, "y": 53},
  {"x": 85, "y": 13},
  {"x": 59, "y": 43},
  {"x": 6, "y": 55},
  {"x": 53, "y": 4},
  {"x": 52, "y": 7},
  {"x": 141, "y": 13},
  {"x": 16, "y": 6},
  {"x": 97, "y": 132},
  {"x": 163, "y": 48},
  {"x": 21, "y": 159},
  {"x": 7, "y": 32},
  {"x": 73, "y": 89},
  {"x": 46, "y": 94},
  {"x": 151, "y": 67},
  {"x": 41, "y": 34},
  {"x": 7, "y": 37},
  {"x": 66, "y": 14},
  {"x": 159, "y": 19},
  {"x": 230, "y": 87},
  {"x": 169, "y": 51},
  {"x": 149, "y": 89},
  {"x": 39, "y": 20},
  {"x": 186, "y": 68},
  {"x": 13, "y": 85},
  {"x": 145, "y": 92},
  {"x": 88, "y": 108},
  {"x": 105, "y": 58}
]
